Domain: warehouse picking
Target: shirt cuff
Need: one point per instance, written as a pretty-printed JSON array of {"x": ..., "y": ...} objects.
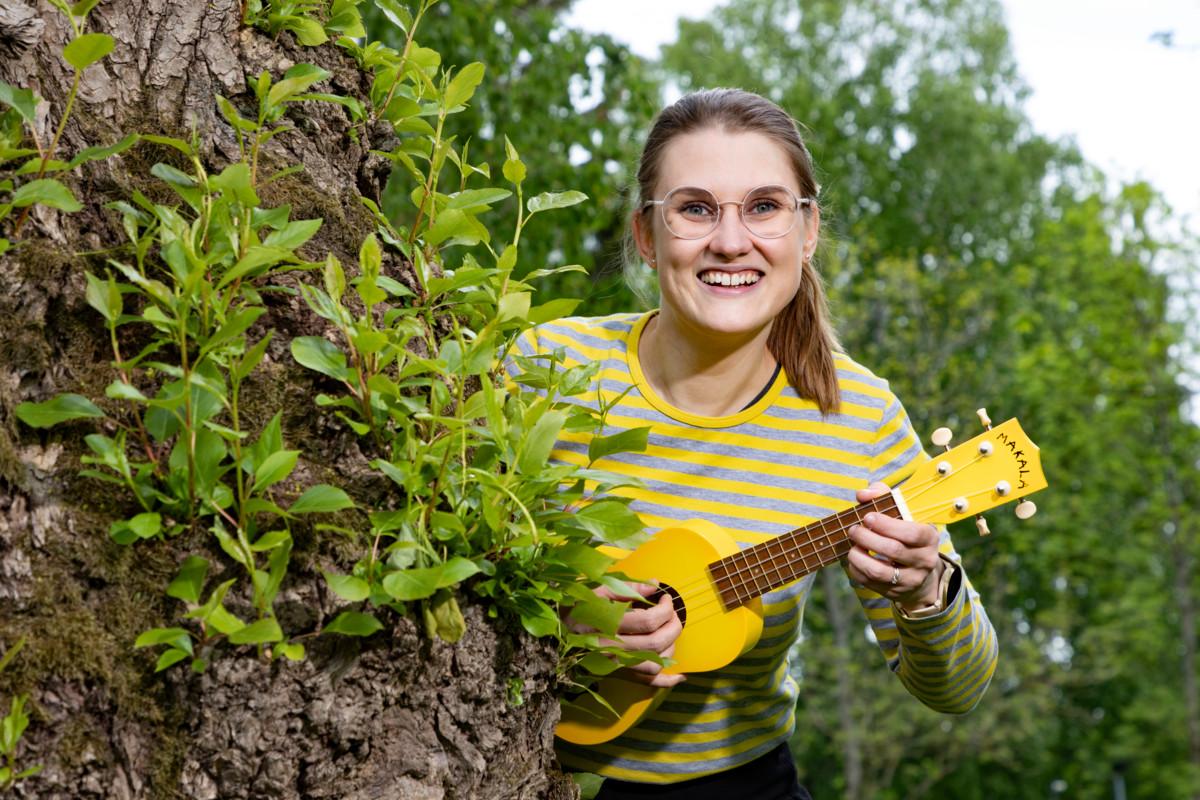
[{"x": 947, "y": 590}]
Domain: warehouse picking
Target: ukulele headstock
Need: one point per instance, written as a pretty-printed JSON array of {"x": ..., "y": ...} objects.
[{"x": 999, "y": 465}]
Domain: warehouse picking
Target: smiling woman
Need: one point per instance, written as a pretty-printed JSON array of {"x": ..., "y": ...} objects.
[{"x": 757, "y": 424}]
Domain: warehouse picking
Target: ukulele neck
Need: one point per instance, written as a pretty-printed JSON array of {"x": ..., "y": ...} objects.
[{"x": 753, "y": 572}]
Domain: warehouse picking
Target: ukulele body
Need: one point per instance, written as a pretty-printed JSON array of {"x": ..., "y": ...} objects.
[{"x": 677, "y": 558}]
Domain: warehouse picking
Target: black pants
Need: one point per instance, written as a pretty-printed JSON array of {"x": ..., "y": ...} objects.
[{"x": 768, "y": 777}]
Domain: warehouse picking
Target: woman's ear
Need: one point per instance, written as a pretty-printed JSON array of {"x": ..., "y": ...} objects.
[
  {"x": 643, "y": 237},
  {"x": 812, "y": 229}
]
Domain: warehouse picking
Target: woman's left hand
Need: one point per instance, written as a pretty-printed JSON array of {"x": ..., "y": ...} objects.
[{"x": 911, "y": 573}]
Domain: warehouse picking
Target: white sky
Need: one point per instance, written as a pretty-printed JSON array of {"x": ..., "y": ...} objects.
[{"x": 1132, "y": 104}]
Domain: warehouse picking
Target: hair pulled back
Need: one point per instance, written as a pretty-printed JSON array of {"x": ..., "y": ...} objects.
[{"x": 802, "y": 337}]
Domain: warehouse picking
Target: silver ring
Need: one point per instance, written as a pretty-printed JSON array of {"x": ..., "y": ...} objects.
[{"x": 895, "y": 576}]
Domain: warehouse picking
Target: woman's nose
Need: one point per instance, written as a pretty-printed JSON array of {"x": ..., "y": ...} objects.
[{"x": 730, "y": 238}]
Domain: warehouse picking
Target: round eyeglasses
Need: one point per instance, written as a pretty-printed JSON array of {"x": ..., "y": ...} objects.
[{"x": 768, "y": 212}]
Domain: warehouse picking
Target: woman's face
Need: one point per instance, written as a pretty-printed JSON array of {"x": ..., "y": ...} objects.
[{"x": 692, "y": 272}]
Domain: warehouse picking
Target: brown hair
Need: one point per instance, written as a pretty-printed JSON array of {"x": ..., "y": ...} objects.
[{"x": 802, "y": 337}]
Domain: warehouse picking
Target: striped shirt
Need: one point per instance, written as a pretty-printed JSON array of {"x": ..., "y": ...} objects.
[{"x": 768, "y": 469}]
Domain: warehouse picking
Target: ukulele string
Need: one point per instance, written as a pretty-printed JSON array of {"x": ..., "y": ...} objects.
[
  {"x": 821, "y": 544},
  {"x": 701, "y": 580},
  {"x": 827, "y": 542}
]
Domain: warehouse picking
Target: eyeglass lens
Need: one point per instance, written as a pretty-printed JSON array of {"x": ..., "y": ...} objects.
[{"x": 692, "y": 213}]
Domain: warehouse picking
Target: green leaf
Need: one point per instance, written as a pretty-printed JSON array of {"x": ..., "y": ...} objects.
[
  {"x": 477, "y": 199},
  {"x": 242, "y": 368},
  {"x": 583, "y": 558},
  {"x": 353, "y": 623},
  {"x": 261, "y": 632},
  {"x": 443, "y": 618},
  {"x": 169, "y": 141},
  {"x": 538, "y": 443},
  {"x": 82, "y": 8},
  {"x": 513, "y": 306},
  {"x": 145, "y": 525},
  {"x": 421, "y": 582},
  {"x": 294, "y": 234},
  {"x": 270, "y": 540},
  {"x": 308, "y": 31},
  {"x": 397, "y": 14},
  {"x": 321, "y": 355},
  {"x": 176, "y": 637},
  {"x": 47, "y": 192},
  {"x": 456, "y": 227},
  {"x": 100, "y": 153},
  {"x": 555, "y": 309},
  {"x": 23, "y": 100},
  {"x": 463, "y": 85},
  {"x": 548, "y": 200},
  {"x": 58, "y": 409},
  {"x": 348, "y": 587},
  {"x": 598, "y": 663},
  {"x": 537, "y": 617},
  {"x": 104, "y": 296},
  {"x": 235, "y": 181},
  {"x": 292, "y": 651},
  {"x": 234, "y": 326},
  {"x": 295, "y": 80},
  {"x": 85, "y": 50},
  {"x": 600, "y": 614},
  {"x": 258, "y": 257},
  {"x": 633, "y": 440},
  {"x": 609, "y": 520},
  {"x": 170, "y": 658},
  {"x": 190, "y": 580},
  {"x": 274, "y": 468},
  {"x": 321, "y": 499}
]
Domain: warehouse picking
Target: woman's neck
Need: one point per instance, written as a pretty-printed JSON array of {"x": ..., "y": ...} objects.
[{"x": 709, "y": 376}]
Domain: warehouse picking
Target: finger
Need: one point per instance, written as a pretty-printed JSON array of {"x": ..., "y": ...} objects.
[
  {"x": 643, "y": 590},
  {"x": 912, "y": 534},
  {"x": 891, "y": 550},
  {"x": 874, "y": 573},
  {"x": 652, "y": 673},
  {"x": 649, "y": 620},
  {"x": 876, "y": 489}
]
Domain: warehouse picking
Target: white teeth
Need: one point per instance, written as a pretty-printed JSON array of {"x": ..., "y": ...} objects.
[{"x": 717, "y": 278}]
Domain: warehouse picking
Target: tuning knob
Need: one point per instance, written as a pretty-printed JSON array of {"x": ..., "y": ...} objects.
[
  {"x": 1026, "y": 509},
  {"x": 982, "y": 525},
  {"x": 984, "y": 419},
  {"x": 941, "y": 437}
]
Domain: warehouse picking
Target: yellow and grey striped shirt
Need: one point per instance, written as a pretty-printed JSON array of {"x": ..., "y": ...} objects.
[{"x": 768, "y": 469}]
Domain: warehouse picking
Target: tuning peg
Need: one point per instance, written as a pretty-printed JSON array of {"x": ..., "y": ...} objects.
[
  {"x": 1026, "y": 509},
  {"x": 984, "y": 419},
  {"x": 982, "y": 525},
  {"x": 941, "y": 437}
]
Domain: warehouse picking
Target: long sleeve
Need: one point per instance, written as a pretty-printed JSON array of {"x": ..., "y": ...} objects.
[{"x": 946, "y": 660}]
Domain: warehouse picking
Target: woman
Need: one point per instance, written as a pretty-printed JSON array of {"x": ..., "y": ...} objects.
[{"x": 759, "y": 424}]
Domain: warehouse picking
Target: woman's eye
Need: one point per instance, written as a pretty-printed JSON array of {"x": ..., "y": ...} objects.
[
  {"x": 764, "y": 206},
  {"x": 696, "y": 210}
]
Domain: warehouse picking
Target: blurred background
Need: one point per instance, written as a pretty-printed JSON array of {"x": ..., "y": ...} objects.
[{"x": 1010, "y": 201}]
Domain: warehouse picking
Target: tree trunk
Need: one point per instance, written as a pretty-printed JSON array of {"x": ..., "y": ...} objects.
[
  {"x": 839, "y": 621},
  {"x": 396, "y": 715}
]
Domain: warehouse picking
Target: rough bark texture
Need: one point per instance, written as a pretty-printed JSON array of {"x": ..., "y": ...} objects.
[{"x": 396, "y": 716}]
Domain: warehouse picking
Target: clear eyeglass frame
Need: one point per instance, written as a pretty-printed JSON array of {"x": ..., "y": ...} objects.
[{"x": 750, "y": 225}]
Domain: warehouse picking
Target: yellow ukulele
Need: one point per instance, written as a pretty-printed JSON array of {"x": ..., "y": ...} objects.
[{"x": 716, "y": 585}]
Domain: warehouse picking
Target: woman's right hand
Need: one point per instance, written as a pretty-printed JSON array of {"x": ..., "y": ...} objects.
[{"x": 654, "y": 628}]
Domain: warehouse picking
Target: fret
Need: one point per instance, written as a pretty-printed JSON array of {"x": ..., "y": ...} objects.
[{"x": 777, "y": 562}]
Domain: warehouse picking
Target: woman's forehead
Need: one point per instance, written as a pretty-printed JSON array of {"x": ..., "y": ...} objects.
[{"x": 724, "y": 162}]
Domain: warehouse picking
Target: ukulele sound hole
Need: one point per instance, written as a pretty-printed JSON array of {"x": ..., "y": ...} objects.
[{"x": 676, "y": 598}]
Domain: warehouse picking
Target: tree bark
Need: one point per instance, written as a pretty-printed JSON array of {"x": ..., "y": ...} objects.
[
  {"x": 397, "y": 715},
  {"x": 839, "y": 622}
]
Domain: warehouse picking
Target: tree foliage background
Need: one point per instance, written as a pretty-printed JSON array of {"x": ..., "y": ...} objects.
[{"x": 972, "y": 261}]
